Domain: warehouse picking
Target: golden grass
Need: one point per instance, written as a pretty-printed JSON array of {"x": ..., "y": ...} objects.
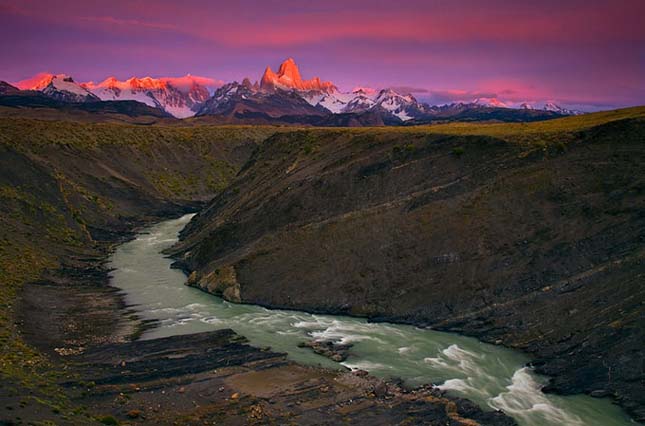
[
  {"x": 538, "y": 132},
  {"x": 26, "y": 130}
]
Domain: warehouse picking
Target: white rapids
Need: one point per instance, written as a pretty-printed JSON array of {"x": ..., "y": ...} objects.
[{"x": 494, "y": 377}]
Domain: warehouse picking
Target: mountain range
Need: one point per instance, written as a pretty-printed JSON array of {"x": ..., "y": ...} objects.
[{"x": 281, "y": 97}]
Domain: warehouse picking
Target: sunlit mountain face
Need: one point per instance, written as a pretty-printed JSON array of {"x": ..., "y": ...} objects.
[
  {"x": 578, "y": 55},
  {"x": 278, "y": 94},
  {"x": 179, "y": 96},
  {"x": 288, "y": 77}
]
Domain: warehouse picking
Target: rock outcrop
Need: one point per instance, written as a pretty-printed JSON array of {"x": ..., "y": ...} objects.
[
  {"x": 221, "y": 282},
  {"x": 288, "y": 78}
]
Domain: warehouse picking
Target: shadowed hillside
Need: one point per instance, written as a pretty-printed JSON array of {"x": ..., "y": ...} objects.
[
  {"x": 71, "y": 191},
  {"x": 528, "y": 235},
  {"x": 68, "y": 192}
]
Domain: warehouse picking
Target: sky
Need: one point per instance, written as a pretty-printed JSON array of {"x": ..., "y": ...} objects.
[{"x": 585, "y": 54}]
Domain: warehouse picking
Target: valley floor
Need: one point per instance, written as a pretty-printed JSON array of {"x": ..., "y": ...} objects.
[{"x": 209, "y": 378}]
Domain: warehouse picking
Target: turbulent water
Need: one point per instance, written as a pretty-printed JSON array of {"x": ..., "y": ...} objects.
[{"x": 494, "y": 377}]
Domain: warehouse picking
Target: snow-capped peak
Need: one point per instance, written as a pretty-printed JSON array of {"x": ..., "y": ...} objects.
[
  {"x": 365, "y": 91},
  {"x": 180, "y": 96},
  {"x": 490, "y": 102},
  {"x": 58, "y": 86},
  {"x": 361, "y": 99},
  {"x": 553, "y": 107},
  {"x": 37, "y": 82}
]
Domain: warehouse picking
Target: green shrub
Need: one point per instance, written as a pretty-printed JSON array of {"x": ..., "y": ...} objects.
[
  {"x": 458, "y": 151},
  {"x": 108, "y": 420}
]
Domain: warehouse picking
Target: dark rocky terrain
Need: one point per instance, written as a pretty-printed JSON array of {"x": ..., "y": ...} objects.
[
  {"x": 215, "y": 378},
  {"x": 68, "y": 192},
  {"x": 527, "y": 235},
  {"x": 469, "y": 113},
  {"x": 71, "y": 191},
  {"x": 363, "y": 119},
  {"x": 38, "y": 105}
]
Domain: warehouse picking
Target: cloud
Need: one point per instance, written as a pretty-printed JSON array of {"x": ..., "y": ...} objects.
[
  {"x": 185, "y": 83},
  {"x": 517, "y": 51},
  {"x": 110, "y": 20},
  {"x": 7, "y": 9}
]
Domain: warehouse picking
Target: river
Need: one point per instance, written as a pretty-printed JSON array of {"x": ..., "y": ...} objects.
[{"x": 494, "y": 377}]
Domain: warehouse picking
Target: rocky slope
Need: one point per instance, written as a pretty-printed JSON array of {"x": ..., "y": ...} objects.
[
  {"x": 243, "y": 102},
  {"x": 527, "y": 235},
  {"x": 215, "y": 378},
  {"x": 8, "y": 89},
  {"x": 68, "y": 192}
]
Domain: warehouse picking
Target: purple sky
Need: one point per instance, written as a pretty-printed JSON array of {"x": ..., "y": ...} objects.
[{"x": 580, "y": 53}]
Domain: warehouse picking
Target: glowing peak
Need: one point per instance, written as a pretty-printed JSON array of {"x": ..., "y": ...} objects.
[{"x": 288, "y": 78}]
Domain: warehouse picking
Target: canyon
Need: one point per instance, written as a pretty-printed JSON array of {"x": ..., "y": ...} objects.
[
  {"x": 522, "y": 235},
  {"x": 527, "y": 236}
]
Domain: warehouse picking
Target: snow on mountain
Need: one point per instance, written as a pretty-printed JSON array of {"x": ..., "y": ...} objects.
[
  {"x": 235, "y": 100},
  {"x": 490, "y": 102},
  {"x": 332, "y": 103},
  {"x": 335, "y": 102},
  {"x": 181, "y": 97},
  {"x": 553, "y": 107},
  {"x": 361, "y": 101},
  {"x": 550, "y": 106},
  {"x": 282, "y": 92},
  {"x": 405, "y": 107},
  {"x": 60, "y": 86},
  {"x": 225, "y": 97}
]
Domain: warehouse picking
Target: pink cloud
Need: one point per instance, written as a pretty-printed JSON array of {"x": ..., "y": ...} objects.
[
  {"x": 186, "y": 82},
  {"x": 109, "y": 20},
  {"x": 577, "y": 50}
]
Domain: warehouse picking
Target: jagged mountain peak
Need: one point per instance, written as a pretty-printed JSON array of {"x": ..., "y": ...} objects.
[
  {"x": 58, "y": 86},
  {"x": 391, "y": 93},
  {"x": 288, "y": 77},
  {"x": 289, "y": 71},
  {"x": 8, "y": 89},
  {"x": 490, "y": 102},
  {"x": 187, "y": 95},
  {"x": 553, "y": 107},
  {"x": 179, "y": 96},
  {"x": 42, "y": 80}
]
